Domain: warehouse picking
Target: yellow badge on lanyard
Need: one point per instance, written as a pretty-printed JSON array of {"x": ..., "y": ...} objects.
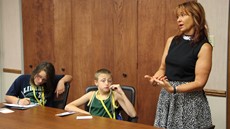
[{"x": 43, "y": 96}]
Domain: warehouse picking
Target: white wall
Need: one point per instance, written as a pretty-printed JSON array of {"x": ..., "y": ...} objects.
[
  {"x": 217, "y": 13},
  {"x": 11, "y": 41},
  {"x": 11, "y": 34},
  {"x": 218, "y": 110},
  {"x": 11, "y": 53}
]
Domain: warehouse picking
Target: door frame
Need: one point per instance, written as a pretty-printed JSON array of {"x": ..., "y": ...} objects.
[
  {"x": 1, "y": 59},
  {"x": 228, "y": 76}
]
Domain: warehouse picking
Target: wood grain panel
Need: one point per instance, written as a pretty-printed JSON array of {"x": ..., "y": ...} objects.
[
  {"x": 92, "y": 40},
  {"x": 102, "y": 34},
  {"x": 125, "y": 41},
  {"x": 81, "y": 31},
  {"x": 151, "y": 21},
  {"x": 63, "y": 37},
  {"x": 156, "y": 22},
  {"x": 38, "y": 25},
  {"x": 10, "y": 70},
  {"x": 212, "y": 92}
]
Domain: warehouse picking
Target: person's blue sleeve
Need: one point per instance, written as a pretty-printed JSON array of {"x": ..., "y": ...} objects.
[
  {"x": 18, "y": 85},
  {"x": 57, "y": 78},
  {"x": 51, "y": 99}
]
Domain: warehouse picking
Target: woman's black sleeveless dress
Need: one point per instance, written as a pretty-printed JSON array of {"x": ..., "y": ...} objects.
[{"x": 182, "y": 110}]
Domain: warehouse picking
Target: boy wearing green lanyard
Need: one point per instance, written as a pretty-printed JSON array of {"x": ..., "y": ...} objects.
[{"x": 105, "y": 100}]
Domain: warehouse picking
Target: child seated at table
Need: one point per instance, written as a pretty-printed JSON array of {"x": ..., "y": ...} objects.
[
  {"x": 37, "y": 88},
  {"x": 105, "y": 100}
]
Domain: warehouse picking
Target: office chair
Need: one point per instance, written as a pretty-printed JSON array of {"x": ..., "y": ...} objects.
[
  {"x": 210, "y": 127},
  {"x": 61, "y": 101},
  {"x": 129, "y": 92}
]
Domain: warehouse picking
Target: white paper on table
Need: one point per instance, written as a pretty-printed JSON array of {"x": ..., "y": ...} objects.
[
  {"x": 16, "y": 106},
  {"x": 84, "y": 117},
  {"x": 65, "y": 113},
  {"x": 5, "y": 110}
]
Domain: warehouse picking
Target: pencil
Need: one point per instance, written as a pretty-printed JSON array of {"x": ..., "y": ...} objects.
[{"x": 23, "y": 94}]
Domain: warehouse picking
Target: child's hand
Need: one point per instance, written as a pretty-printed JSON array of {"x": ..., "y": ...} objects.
[
  {"x": 60, "y": 88},
  {"x": 116, "y": 88},
  {"x": 24, "y": 101}
]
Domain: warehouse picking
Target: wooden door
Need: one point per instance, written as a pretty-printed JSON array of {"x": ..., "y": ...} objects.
[
  {"x": 151, "y": 21},
  {"x": 63, "y": 41},
  {"x": 125, "y": 41},
  {"x": 156, "y": 22},
  {"x": 47, "y": 34},
  {"x": 37, "y": 19},
  {"x": 91, "y": 48},
  {"x": 103, "y": 37}
]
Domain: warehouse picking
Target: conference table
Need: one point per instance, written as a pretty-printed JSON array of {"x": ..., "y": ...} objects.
[{"x": 45, "y": 118}]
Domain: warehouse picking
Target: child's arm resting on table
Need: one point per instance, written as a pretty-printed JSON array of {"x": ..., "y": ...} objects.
[{"x": 74, "y": 106}]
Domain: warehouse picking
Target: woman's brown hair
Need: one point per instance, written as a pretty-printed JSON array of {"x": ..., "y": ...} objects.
[{"x": 197, "y": 12}]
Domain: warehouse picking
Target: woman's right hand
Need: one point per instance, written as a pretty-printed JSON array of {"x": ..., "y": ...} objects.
[{"x": 151, "y": 79}]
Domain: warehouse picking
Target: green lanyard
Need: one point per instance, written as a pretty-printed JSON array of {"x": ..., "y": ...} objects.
[
  {"x": 43, "y": 96},
  {"x": 106, "y": 109}
]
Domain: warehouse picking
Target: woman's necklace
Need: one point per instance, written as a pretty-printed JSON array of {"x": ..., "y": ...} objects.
[{"x": 187, "y": 37}]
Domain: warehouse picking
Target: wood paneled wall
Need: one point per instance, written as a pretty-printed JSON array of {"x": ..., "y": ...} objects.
[
  {"x": 104, "y": 35},
  {"x": 156, "y": 22},
  {"x": 82, "y": 36},
  {"x": 47, "y": 34}
]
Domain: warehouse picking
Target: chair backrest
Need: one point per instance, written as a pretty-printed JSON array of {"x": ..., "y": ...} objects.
[
  {"x": 129, "y": 92},
  {"x": 210, "y": 127},
  {"x": 61, "y": 101}
]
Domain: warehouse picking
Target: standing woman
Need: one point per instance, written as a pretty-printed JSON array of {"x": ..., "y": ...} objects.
[{"x": 184, "y": 70}]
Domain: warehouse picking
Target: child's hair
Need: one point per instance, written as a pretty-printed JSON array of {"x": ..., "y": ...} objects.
[
  {"x": 102, "y": 71},
  {"x": 50, "y": 74}
]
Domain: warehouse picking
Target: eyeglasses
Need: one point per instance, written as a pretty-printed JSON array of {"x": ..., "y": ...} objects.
[{"x": 40, "y": 77}]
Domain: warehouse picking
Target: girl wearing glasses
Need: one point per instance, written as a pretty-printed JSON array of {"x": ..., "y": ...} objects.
[{"x": 39, "y": 87}]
